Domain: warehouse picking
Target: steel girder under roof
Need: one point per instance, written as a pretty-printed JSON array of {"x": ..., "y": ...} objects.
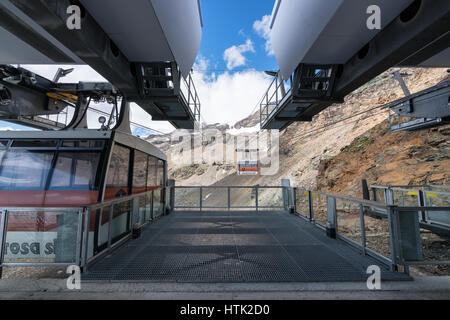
[
  {"x": 116, "y": 39},
  {"x": 416, "y": 36}
]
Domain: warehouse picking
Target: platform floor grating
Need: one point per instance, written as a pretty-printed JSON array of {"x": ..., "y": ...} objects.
[{"x": 234, "y": 246}]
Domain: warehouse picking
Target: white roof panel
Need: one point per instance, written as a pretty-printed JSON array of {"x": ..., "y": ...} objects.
[{"x": 324, "y": 31}]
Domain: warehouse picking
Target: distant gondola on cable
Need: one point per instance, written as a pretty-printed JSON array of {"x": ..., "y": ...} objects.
[{"x": 248, "y": 167}]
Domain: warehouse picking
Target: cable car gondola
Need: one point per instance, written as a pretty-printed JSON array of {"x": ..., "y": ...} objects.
[{"x": 248, "y": 167}]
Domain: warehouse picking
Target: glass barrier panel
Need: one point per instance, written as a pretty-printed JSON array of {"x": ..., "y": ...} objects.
[
  {"x": 270, "y": 197},
  {"x": 302, "y": 202},
  {"x": 406, "y": 198},
  {"x": 435, "y": 247},
  {"x": 148, "y": 207},
  {"x": 378, "y": 195},
  {"x": 214, "y": 198},
  {"x": 142, "y": 209},
  {"x": 348, "y": 220},
  {"x": 187, "y": 197},
  {"x": 169, "y": 197},
  {"x": 319, "y": 203},
  {"x": 158, "y": 206},
  {"x": 121, "y": 219},
  {"x": 103, "y": 226},
  {"x": 424, "y": 243},
  {"x": 376, "y": 227},
  {"x": 242, "y": 197},
  {"x": 41, "y": 237},
  {"x": 437, "y": 199}
]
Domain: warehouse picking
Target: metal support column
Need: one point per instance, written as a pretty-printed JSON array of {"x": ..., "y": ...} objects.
[
  {"x": 152, "y": 217},
  {"x": 229, "y": 198},
  {"x": 393, "y": 237},
  {"x": 111, "y": 211},
  {"x": 256, "y": 197},
  {"x": 201, "y": 198},
  {"x": 3, "y": 225},
  {"x": 363, "y": 228},
  {"x": 422, "y": 203},
  {"x": 85, "y": 246},
  {"x": 79, "y": 236},
  {"x": 310, "y": 203},
  {"x": 294, "y": 191},
  {"x": 331, "y": 226}
]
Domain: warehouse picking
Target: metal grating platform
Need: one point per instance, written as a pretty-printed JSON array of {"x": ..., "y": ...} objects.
[{"x": 234, "y": 246}]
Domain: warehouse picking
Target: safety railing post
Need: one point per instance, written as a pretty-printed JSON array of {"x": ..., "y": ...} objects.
[
  {"x": 276, "y": 90},
  {"x": 256, "y": 198},
  {"x": 389, "y": 196},
  {"x": 172, "y": 197},
  {"x": 331, "y": 226},
  {"x": 363, "y": 228},
  {"x": 79, "y": 233},
  {"x": 152, "y": 217},
  {"x": 201, "y": 198},
  {"x": 85, "y": 246},
  {"x": 111, "y": 211},
  {"x": 189, "y": 90},
  {"x": 3, "y": 228},
  {"x": 294, "y": 199},
  {"x": 393, "y": 241},
  {"x": 229, "y": 198},
  {"x": 421, "y": 202},
  {"x": 135, "y": 207},
  {"x": 311, "y": 209}
]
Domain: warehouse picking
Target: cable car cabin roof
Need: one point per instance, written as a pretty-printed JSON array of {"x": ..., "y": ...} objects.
[
  {"x": 81, "y": 134},
  {"x": 325, "y": 31},
  {"x": 143, "y": 30},
  {"x": 248, "y": 162}
]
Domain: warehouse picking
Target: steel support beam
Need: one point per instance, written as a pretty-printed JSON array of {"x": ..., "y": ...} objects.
[
  {"x": 90, "y": 43},
  {"x": 13, "y": 24},
  {"x": 401, "y": 39},
  {"x": 417, "y": 34}
]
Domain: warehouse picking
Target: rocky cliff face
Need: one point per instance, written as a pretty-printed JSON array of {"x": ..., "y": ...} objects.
[
  {"x": 385, "y": 158},
  {"x": 305, "y": 147}
]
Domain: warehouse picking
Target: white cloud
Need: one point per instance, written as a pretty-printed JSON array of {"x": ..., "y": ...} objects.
[
  {"x": 234, "y": 57},
  {"x": 229, "y": 97},
  {"x": 262, "y": 29},
  {"x": 225, "y": 97}
]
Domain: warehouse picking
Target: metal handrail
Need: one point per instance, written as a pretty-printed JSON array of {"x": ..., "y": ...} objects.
[
  {"x": 266, "y": 101},
  {"x": 392, "y": 216},
  {"x": 120, "y": 199},
  {"x": 84, "y": 212},
  {"x": 430, "y": 186},
  {"x": 229, "y": 206},
  {"x": 347, "y": 198},
  {"x": 192, "y": 99}
]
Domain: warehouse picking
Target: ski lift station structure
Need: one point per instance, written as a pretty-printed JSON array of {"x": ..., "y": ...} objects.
[
  {"x": 325, "y": 50},
  {"x": 114, "y": 185},
  {"x": 138, "y": 48}
]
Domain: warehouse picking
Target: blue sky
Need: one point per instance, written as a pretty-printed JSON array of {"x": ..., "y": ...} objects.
[
  {"x": 229, "y": 23},
  {"x": 228, "y": 72}
]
